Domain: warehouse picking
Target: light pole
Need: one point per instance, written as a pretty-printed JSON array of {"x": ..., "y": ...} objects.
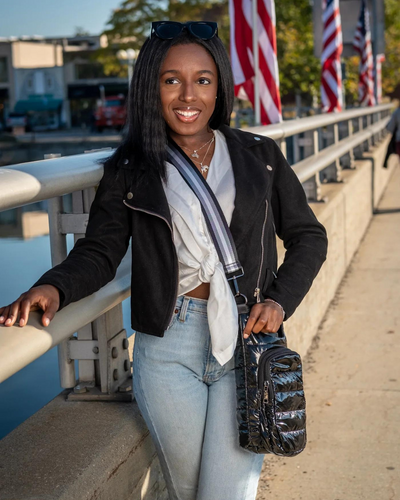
[{"x": 128, "y": 57}]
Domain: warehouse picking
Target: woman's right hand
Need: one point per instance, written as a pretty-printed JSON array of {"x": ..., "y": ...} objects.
[{"x": 45, "y": 297}]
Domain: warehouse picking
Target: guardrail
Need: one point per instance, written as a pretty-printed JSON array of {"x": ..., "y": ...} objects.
[{"x": 101, "y": 344}]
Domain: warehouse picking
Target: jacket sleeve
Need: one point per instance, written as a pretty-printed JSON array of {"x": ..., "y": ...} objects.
[
  {"x": 94, "y": 259},
  {"x": 304, "y": 237}
]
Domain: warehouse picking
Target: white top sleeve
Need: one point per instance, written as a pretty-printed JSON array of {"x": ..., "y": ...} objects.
[{"x": 197, "y": 256}]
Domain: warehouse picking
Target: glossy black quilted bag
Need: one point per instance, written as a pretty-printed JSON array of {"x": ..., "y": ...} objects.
[{"x": 271, "y": 407}]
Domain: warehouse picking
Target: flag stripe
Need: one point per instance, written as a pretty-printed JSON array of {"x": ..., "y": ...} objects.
[
  {"x": 331, "y": 70},
  {"x": 362, "y": 44},
  {"x": 243, "y": 60}
]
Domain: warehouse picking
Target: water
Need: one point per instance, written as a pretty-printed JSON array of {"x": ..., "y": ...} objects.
[{"x": 23, "y": 394}]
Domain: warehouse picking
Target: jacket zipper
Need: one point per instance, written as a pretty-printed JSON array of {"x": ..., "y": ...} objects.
[
  {"x": 257, "y": 289},
  {"x": 176, "y": 257}
]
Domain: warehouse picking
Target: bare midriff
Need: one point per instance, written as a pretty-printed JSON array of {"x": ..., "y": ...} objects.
[{"x": 201, "y": 292}]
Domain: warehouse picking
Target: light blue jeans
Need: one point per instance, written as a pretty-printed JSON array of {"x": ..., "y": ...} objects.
[{"x": 188, "y": 401}]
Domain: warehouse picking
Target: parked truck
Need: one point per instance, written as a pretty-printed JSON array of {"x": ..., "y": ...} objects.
[{"x": 110, "y": 112}]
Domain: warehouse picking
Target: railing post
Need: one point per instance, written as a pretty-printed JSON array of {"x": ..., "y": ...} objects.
[
  {"x": 316, "y": 141},
  {"x": 338, "y": 167},
  {"x": 283, "y": 146},
  {"x": 350, "y": 156},
  {"x": 332, "y": 173},
  {"x": 312, "y": 187},
  {"x": 296, "y": 149},
  {"x": 81, "y": 205},
  {"x": 370, "y": 140},
  {"x": 379, "y": 118},
  {"x": 58, "y": 249},
  {"x": 359, "y": 150}
]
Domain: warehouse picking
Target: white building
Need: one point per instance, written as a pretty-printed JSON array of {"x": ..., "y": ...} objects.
[
  {"x": 54, "y": 80},
  {"x": 35, "y": 81}
]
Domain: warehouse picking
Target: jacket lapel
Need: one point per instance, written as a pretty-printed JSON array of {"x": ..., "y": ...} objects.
[
  {"x": 150, "y": 197},
  {"x": 251, "y": 180}
]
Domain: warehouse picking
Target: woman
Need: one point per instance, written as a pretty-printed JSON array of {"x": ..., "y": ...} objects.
[
  {"x": 393, "y": 127},
  {"x": 184, "y": 382}
]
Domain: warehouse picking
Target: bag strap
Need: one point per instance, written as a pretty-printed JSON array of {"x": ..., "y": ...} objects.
[{"x": 215, "y": 218}]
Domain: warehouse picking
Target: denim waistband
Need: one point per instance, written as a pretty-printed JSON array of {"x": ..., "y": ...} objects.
[{"x": 192, "y": 303}]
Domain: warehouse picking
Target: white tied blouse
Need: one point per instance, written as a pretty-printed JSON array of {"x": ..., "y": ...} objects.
[{"x": 197, "y": 256}]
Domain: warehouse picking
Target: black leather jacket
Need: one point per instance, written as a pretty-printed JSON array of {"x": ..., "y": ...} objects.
[{"x": 269, "y": 200}]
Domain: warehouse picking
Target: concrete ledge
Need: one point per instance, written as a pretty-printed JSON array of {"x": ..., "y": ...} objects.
[
  {"x": 81, "y": 451},
  {"x": 103, "y": 450}
]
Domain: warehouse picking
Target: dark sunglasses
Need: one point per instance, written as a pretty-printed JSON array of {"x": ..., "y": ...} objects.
[{"x": 167, "y": 30}]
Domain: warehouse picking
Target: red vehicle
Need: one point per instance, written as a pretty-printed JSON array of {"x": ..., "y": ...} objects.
[{"x": 110, "y": 113}]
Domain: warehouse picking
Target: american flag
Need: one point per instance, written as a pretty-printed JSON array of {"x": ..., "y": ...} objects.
[
  {"x": 242, "y": 56},
  {"x": 331, "y": 74},
  {"x": 362, "y": 44}
]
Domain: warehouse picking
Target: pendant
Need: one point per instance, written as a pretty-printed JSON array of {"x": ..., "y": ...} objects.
[
  {"x": 195, "y": 155},
  {"x": 204, "y": 168}
]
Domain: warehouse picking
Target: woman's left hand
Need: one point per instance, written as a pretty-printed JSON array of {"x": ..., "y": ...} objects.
[{"x": 264, "y": 317}]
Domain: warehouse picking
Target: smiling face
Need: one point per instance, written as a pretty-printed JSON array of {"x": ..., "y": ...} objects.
[{"x": 188, "y": 87}]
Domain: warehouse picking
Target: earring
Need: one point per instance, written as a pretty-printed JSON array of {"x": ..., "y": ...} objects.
[{"x": 216, "y": 97}]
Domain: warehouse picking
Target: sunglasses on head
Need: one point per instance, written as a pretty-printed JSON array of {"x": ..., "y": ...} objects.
[{"x": 167, "y": 30}]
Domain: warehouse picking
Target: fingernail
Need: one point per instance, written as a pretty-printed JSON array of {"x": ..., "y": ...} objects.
[
  {"x": 22, "y": 322},
  {"x": 46, "y": 321},
  {"x": 1, "y": 318},
  {"x": 246, "y": 336},
  {"x": 8, "y": 321}
]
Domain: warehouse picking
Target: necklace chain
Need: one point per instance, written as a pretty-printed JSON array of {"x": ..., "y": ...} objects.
[
  {"x": 204, "y": 168},
  {"x": 194, "y": 154}
]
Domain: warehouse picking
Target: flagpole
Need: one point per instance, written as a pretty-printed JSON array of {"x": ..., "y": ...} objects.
[
  {"x": 257, "y": 110},
  {"x": 375, "y": 48}
]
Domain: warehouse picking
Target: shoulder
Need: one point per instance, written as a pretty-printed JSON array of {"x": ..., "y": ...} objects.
[
  {"x": 248, "y": 139},
  {"x": 116, "y": 168}
]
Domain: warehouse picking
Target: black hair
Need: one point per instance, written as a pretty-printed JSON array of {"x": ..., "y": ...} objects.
[{"x": 147, "y": 133}]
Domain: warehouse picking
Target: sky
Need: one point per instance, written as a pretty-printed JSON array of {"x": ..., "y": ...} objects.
[{"x": 54, "y": 17}]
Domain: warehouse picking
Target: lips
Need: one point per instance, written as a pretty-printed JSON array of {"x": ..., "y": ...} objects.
[{"x": 187, "y": 114}]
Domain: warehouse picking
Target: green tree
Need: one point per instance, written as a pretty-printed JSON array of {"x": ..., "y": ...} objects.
[
  {"x": 351, "y": 82},
  {"x": 79, "y": 31},
  {"x": 390, "y": 67},
  {"x": 299, "y": 69},
  {"x": 129, "y": 25}
]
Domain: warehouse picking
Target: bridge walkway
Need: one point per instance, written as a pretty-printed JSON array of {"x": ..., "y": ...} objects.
[{"x": 352, "y": 380}]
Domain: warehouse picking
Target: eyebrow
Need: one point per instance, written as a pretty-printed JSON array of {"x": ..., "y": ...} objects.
[{"x": 175, "y": 72}]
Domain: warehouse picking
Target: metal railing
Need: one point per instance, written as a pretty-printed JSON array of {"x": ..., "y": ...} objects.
[{"x": 101, "y": 346}]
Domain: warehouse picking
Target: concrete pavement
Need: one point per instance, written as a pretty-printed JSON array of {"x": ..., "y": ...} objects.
[{"x": 352, "y": 381}]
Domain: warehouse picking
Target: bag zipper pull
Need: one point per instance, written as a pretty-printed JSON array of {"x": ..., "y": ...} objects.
[{"x": 257, "y": 294}]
